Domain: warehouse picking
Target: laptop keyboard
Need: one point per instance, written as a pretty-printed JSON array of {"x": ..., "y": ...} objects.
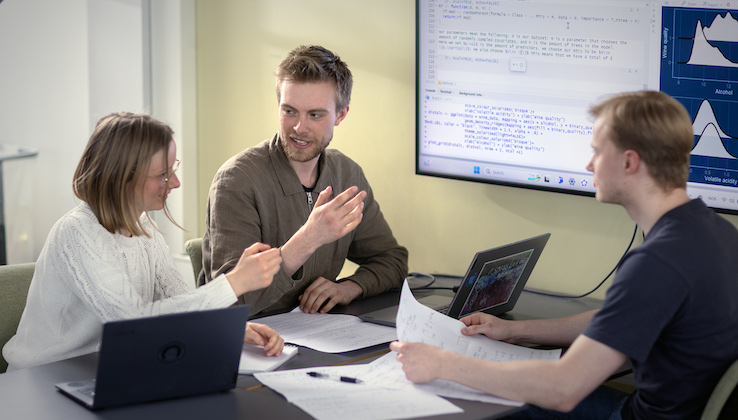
[
  {"x": 86, "y": 388},
  {"x": 443, "y": 309},
  {"x": 88, "y": 391}
]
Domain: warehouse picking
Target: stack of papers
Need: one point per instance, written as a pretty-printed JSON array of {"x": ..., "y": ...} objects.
[
  {"x": 327, "y": 399},
  {"x": 329, "y": 333}
]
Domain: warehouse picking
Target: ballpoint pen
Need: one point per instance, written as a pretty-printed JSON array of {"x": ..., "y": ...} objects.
[{"x": 335, "y": 377}]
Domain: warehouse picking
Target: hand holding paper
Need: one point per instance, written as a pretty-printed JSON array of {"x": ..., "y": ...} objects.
[
  {"x": 420, "y": 324},
  {"x": 417, "y": 323}
]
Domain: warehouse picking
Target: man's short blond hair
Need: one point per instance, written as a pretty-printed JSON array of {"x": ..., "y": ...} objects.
[
  {"x": 312, "y": 64},
  {"x": 657, "y": 127}
]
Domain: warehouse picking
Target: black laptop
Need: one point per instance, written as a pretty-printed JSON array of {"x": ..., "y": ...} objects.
[
  {"x": 492, "y": 284},
  {"x": 163, "y": 357}
]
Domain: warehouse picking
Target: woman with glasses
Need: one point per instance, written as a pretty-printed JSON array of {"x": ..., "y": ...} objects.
[{"x": 105, "y": 260}]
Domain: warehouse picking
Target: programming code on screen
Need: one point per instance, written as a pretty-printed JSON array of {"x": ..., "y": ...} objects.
[{"x": 504, "y": 87}]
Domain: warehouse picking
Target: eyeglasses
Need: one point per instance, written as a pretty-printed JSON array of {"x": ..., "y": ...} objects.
[{"x": 165, "y": 177}]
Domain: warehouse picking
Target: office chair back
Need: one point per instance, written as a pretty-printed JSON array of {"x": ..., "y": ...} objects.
[
  {"x": 14, "y": 282},
  {"x": 193, "y": 247},
  {"x": 723, "y": 402}
]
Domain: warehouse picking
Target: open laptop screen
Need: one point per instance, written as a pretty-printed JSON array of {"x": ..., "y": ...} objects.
[
  {"x": 494, "y": 284},
  {"x": 496, "y": 277}
]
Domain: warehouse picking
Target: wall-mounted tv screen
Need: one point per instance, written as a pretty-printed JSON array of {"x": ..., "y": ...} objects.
[{"x": 504, "y": 87}]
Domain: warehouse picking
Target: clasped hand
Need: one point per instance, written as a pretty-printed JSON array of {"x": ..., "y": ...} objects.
[{"x": 322, "y": 295}]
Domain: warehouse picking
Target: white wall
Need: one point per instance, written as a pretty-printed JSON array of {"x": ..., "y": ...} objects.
[
  {"x": 117, "y": 66},
  {"x": 174, "y": 101},
  {"x": 44, "y": 102},
  {"x": 173, "y": 95},
  {"x": 63, "y": 65}
]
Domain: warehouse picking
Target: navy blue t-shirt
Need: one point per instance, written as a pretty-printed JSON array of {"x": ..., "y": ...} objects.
[{"x": 673, "y": 310}]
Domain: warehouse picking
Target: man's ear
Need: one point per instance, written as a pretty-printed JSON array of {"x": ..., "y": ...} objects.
[
  {"x": 341, "y": 115},
  {"x": 631, "y": 161}
]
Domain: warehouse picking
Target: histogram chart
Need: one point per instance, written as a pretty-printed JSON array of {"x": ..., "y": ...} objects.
[{"x": 699, "y": 67}]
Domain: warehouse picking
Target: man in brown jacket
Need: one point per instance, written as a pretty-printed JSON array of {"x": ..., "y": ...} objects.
[{"x": 312, "y": 202}]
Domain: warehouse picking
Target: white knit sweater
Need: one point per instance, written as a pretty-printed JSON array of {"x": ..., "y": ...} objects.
[{"x": 86, "y": 276}]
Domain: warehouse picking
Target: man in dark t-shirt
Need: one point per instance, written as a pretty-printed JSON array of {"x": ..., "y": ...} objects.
[{"x": 671, "y": 308}]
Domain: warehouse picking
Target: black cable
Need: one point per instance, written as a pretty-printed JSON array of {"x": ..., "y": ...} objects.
[
  {"x": 416, "y": 274},
  {"x": 561, "y": 295}
]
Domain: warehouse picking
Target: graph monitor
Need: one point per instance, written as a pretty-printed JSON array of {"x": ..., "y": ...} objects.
[{"x": 504, "y": 87}]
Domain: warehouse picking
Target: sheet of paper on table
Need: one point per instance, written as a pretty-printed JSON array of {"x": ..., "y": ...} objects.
[
  {"x": 329, "y": 333},
  {"x": 383, "y": 378},
  {"x": 327, "y": 399}
]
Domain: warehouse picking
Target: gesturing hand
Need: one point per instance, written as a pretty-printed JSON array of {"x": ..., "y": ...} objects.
[
  {"x": 255, "y": 269},
  {"x": 327, "y": 222},
  {"x": 332, "y": 220}
]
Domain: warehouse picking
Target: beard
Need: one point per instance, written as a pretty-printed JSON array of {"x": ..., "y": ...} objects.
[{"x": 302, "y": 155}]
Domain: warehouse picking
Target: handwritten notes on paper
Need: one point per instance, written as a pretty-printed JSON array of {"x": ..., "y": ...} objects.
[
  {"x": 383, "y": 379},
  {"x": 329, "y": 333},
  {"x": 335, "y": 400},
  {"x": 387, "y": 372},
  {"x": 418, "y": 323}
]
